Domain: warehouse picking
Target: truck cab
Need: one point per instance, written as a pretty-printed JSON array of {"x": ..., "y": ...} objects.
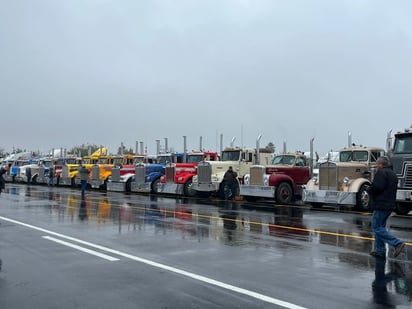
[
  {"x": 282, "y": 181},
  {"x": 178, "y": 176},
  {"x": 122, "y": 176},
  {"x": 344, "y": 182},
  {"x": 61, "y": 162},
  {"x": 210, "y": 173},
  {"x": 100, "y": 172},
  {"x": 70, "y": 169},
  {"x": 400, "y": 155},
  {"x": 23, "y": 165}
]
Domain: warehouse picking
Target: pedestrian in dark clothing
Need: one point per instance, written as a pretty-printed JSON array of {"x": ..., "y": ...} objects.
[
  {"x": 383, "y": 195},
  {"x": 84, "y": 176},
  {"x": 2, "y": 181},
  {"x": 230, "y": 180},
  {"x": 28, "y": 175},
  {"x": 51, "y": 175}
]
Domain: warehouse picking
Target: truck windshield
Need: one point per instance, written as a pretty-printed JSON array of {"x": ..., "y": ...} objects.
[
  {"x": 104, "y": 161},
  {"x": 403, "y": 145},
  {"x": 231, "y": 155},
  {"x": 62, "y": 161},
  {"x": 347, "y": 156},
  {"x": 164, "y": 159},
  {"x": 137, "y": 160},
  {"x": 194, "y": 158},
  {"x": 117, "y": 161},
  {"x": 287, "y": 160},
  {"x": 47, "y": 163}
]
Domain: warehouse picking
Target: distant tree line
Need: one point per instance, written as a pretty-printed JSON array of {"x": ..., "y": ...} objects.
[
  {"x": 83, "y": 150},
  {"x": 87, "y": 149},
  {"x": 270, "y": 147}
]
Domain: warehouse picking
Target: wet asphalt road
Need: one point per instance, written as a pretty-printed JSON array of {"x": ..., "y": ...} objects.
[{"x": 134, "y": 251}]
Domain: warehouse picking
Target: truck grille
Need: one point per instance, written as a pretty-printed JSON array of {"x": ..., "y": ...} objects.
[
  {"x": 115, "y": 174},
  {"x": 42, "y": 172},
  {"x": 95, "y": 172},
  {"x": 140, "y": 173},
  {"x": 170, "y": 173},
  {"x": 65, "y": 171},
  {"x": 256, "y": 175},
  {"x": 328, "y": 176},
  {"x": 408, "y": 176},
  {"x": 204, "y": 172}
]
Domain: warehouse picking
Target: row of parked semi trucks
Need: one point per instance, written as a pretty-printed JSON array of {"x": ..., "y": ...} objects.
[{"x": 284, "y": 178}]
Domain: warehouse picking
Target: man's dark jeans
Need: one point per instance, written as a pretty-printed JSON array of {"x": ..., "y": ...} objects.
[
  {"x": 382, "y": 236},
  {"x": 83, "y": 186}
]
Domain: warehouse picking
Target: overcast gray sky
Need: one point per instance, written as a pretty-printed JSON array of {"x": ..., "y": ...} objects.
[{"x": 105, "y": 72}]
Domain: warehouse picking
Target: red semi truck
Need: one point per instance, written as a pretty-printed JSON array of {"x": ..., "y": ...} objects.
[
  {"x": 282, "y": 181},
  {"x": 178, "y": 177}
]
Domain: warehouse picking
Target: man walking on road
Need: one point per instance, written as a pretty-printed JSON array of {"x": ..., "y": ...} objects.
[
  {"x": 383, "y": 194},
  {"x": 84, "y": 176}
]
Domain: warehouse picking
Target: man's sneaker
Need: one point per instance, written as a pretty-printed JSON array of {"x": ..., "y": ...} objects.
[
  {"x": 399, "y": 249},
  {"x": 378, "y": 255}
]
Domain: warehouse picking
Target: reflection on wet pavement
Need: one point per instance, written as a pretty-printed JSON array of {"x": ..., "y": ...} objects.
[
  {"x": 233, "y": 223},
  {"x": 392, "y": 279},
  {"x": 275, "y": 229},
  {"x": 222, "y": 220}
]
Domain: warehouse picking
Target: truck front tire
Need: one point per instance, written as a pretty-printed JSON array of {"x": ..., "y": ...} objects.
[
  {"x": 402, "y": 208},
  {"x": 284, "y": 193},
  {"x": 363, "y": 198}
]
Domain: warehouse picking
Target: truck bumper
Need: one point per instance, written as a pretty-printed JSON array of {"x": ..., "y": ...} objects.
[
  {"x": 329, "y": 197},
  {"x": 96, "y": 183},
  {"x": 9, "y": 178},
  {"x": 404, "y": 195},
  {"x": 170, "y": 188},
  {"x": 116, "y": 186},
  {"x": 20, "y": 178},
  {"x": 257, "y": 191},
  {"x": 206, "y": 187},
  {"x": 143, "y": 187},
  {"x": 65, "y": 181}
]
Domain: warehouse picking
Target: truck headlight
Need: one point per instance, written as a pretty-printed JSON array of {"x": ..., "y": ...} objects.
[
  {"x": 215, "y": 179},
  {"x": 346, "y": 181}
]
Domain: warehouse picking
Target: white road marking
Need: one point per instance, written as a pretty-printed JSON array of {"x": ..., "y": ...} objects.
[
  {"x": 223, "y": 285},
  {"x": 65, "y": 243}
]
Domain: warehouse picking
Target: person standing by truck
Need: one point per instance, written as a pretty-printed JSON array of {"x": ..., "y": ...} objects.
[
  {"x": 2, "y": 181},
  {"x": 51, "y": 176},
  {"x": 383, "y": 194},
  {"x": 230, "y": 180},
  {"x": 28, "y": 174}
]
